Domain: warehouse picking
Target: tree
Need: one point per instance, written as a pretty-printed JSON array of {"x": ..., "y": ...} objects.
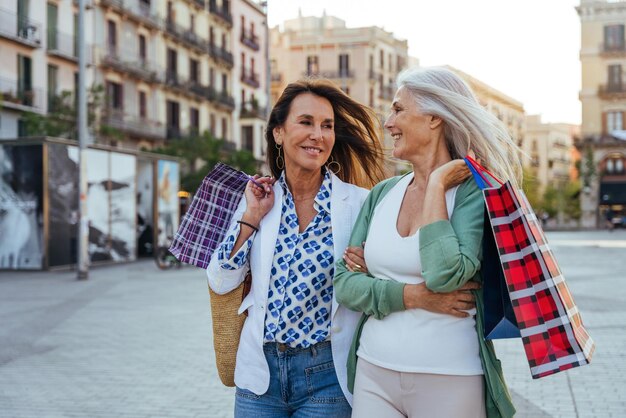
[
  {"x": 61, "y": 119},
  {"x": 530, "y": 185},
  {"x": 200, "y": 153}
]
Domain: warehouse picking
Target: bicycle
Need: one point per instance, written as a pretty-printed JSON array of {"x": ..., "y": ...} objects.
[{"x": 164, "y": 259}]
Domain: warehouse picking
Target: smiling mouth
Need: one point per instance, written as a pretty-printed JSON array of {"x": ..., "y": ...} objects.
[
  {"x": 312, "y": 150},
  {"x": 396, "y": 137}
]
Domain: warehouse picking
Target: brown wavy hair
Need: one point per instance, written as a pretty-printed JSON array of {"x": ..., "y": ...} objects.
[{"x": 357, "y": 146}]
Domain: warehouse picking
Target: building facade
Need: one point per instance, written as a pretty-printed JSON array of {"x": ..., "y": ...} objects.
[
  {"x": 363, "y": 62},
  {"x": 166, "y": 69},
  {"x": 550, "y": 147},
  {"x": 250, "y": 80},
  {"x": 603, "y": 98}
]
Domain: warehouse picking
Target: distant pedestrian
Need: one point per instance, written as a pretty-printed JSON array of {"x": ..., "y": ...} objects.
[{"x": 608, "y": 216}]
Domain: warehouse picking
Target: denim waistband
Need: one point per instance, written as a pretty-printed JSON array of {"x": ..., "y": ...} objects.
[{"x": 285, "y": 349}]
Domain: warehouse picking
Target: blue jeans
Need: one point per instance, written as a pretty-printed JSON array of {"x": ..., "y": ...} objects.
[{"x": 303, "y": 384}]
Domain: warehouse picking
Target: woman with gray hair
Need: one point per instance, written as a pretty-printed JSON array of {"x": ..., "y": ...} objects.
[{"x": 426, "y": 228}]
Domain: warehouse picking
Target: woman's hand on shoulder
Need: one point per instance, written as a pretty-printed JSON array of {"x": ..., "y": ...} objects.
[
  {"x": 452, "y": 303},
  {"x": 450, "y": 174},
  {"x": 259, "y": 199}
]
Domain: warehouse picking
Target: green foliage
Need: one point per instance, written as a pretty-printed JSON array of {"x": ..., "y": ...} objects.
[
  {"x": 530, "y": 185},
  {"x": 589, "y": 170},
  {"x": 563, "y": 199},
  {"x": 61, "y": 119},
  {"x": 200, "y": 153}
]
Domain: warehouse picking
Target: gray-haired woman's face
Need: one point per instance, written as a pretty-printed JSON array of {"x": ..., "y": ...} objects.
[{"x": 410, "y": 129}]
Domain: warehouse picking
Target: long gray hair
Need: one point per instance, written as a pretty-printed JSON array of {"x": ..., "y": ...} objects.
[{"x": 467, "y": 125}]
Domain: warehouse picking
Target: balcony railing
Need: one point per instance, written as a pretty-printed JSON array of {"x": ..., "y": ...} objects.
[
  {"x": 341, "y": 74},
  {"x": 249, "y": 39},
  {"x": 19, "y": 97},
  {"x": 130, "y": 63},
  {"x": 612, "y": 91},
  {"x": 252, "y": 110},
  {"x": 221, "y": 12},
  {"x": 62, "y": 44},
  {"x": 613, "y": 49},
  {"x": 22, "y": 30},
  {"x": 137, "y": 10},
  {"x": 226, "y": 100},
  {"x": 186, "y": 36},
  {"x": 221, "y": 55},
  {"x": 134, "y": 125},
  {"x": 250, "y": 78}
]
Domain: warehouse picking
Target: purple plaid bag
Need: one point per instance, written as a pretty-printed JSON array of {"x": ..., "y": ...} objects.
[{"x": 207, "y": 220}]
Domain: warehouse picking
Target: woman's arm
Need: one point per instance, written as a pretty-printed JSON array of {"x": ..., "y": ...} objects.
[{"x": 451, "y": 250}]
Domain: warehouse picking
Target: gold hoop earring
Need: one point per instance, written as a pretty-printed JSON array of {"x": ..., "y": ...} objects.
[
  {"x": 333, "y": 166},
  {"x": 280, "y": 161}
]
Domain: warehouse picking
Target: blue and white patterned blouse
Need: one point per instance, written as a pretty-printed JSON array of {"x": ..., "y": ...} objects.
[{"x": 301, "y": 290}]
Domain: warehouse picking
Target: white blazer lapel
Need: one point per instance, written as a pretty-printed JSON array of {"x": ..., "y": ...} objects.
[
  {"x": 341, "y": 222},
  {"x": 268, "y": 233}
]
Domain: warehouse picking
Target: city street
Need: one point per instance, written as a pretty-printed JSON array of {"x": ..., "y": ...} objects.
[{"x": 134, "y": 341}]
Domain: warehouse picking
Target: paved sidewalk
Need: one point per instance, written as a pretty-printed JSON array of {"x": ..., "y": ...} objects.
[{"x": 134, "y": 341}]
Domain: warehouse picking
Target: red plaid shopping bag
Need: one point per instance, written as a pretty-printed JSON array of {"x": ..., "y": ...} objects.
[{"x": 549, "y": 322}]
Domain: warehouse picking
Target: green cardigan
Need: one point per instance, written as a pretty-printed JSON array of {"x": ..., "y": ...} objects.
[{"x": 450, "y": 252}]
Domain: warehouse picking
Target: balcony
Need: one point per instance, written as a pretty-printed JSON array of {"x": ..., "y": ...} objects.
[
  {"x": 128, "y": 62},
  {"x": 137, "y": 10},
  {"x": 17, "y": 97},
  {"x": 276, "y": 77},
  {"x": 618, "y": 50},
  {"x": 222, "y": 13},
  {"x": 250, "y": 78},
  {"x": 198, "y": 3},
  {"x": 190, "y": 88},
  {"x": 387, "y": 92},
  {"x": 612, "y": 91},
  {"x": 251, "y": 110},
  {"x": 225, "y": 100},
  {"x": 21, "y": 30},
  {"x": 185, "y": 36},
  {"x": 62, "y": 45},
  {"x": 373, "y": 75},
  {"x": 133, "y": 125},
  {"x": 342, "y": 74},
  {"x": 249, "y": 39},
  {"x": 221, "y": 56}
]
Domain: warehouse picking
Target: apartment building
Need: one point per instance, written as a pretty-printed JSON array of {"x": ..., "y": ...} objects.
[
  {"x": 39, "y": 59},
  {"x": 166, "y": 67},
  {"x": 603, "y": 98},
  {"x": 550, "y": 147},
  {"x": 250, "y": 81}
]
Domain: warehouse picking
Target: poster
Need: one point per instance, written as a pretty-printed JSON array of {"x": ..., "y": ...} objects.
[
  {"x": 167, "y": 201},
  {"x": 63, "y": 207},
  {"x": 21, "y": 207},
  {"x": 145, "y": 207},
  {"x": 123, "y": 206}
]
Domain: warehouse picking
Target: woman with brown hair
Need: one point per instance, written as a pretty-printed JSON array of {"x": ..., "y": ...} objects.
[{"x": 323, "y": 148}]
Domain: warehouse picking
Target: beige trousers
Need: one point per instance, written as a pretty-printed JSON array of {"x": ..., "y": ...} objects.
[{"x": 380, "y": 392}]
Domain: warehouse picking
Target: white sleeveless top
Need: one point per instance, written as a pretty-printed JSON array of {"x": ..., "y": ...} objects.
[{"x": 414, "y": 340}]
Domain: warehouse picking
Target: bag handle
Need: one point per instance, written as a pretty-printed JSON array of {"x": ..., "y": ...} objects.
[{"x": 478, "y": 172}]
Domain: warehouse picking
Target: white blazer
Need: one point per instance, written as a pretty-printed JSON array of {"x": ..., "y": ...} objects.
[{"x": 252, "y": 371}]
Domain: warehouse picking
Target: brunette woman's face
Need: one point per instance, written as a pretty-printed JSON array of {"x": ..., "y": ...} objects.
[{"x": 308, "y": 134}]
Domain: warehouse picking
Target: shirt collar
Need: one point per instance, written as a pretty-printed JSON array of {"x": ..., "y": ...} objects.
[{"x": 322, "y": 199}]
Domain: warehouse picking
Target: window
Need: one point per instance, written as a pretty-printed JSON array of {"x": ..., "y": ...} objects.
[
  {"x": 615, "y": 77},
  {"x": 224, "y": 41},
  {"x": 312, "y": 65},
  {"x": 25, "y": 80},
  {"x": 194, "y": 70},
  {"x": 192, "y": 24},
  {"x": 172, "y": 65},
  {"x": 211, "y": 37},
  {"x": 114, "y": 96},
  {"x": 382, "y": 59},
  {"x": 142, "y": 48},
  {"x": 247, "y": 138},
  {"x": 143, "y": 113},
  {"x": 170, "y": 12},
  {"x": 112, "y": 33},
  {"x": 172, "y": 110},
  {"x": 225, "y": 83},
  {"x": 614, "y": 121},
  {"x": 212, "y": 124},
  {"x": 194, "y": 120},
  {"x": 614, "y": 38},
  {"x": 224, "y": 128},
  {"x": 53, "y": 72},
  {"x": 615, "y": 164},
  {"x": 344, "y": 65},
  {"x": 52, "y": 26},
  {"x": 371, "y": 101},
  {"x": 211, "y": 77}
]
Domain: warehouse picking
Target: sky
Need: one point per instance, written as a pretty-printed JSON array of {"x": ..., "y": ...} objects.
[{"x": 527, "y": 49}]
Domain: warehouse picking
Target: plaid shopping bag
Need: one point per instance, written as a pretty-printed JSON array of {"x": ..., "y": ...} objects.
[
  {"x": 207, "y": 220},
  {"x": 552, "y": 331}
]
